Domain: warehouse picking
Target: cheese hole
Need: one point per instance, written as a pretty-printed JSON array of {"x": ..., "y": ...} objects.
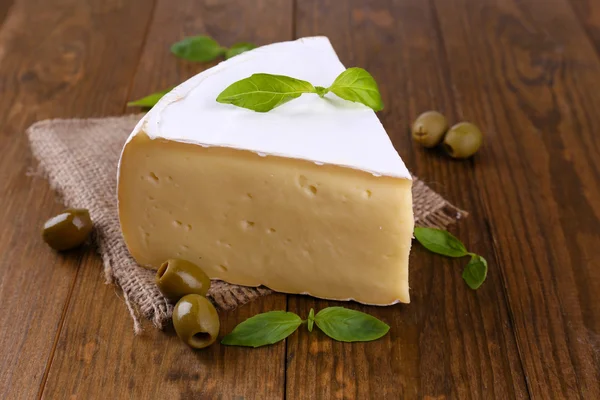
[
  {"x": 222, "y": 268},
  {"x": 303, "y": 183},
  {"x": 249, "y": 195},
  {"x": 271, "y": 230},
  {"x": 153, "y": 176},
  {"x": 150, "y": 198},
  {"x": 170, "y": 178},
  {"x": 367, "y": 194},
  {"x": 185, "y": 247},
  {"x": 177, "y": 223},
  {"x": 188, "y": 227},
  {"x": 302, "y": 180},
  {"x": 247, "y": 225}
]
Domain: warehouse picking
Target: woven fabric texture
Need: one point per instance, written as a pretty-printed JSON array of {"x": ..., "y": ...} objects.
[{"x": 79, "y": 158}]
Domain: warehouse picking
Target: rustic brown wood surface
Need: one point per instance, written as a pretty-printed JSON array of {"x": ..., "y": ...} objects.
[{"x": 526, "y": 71}]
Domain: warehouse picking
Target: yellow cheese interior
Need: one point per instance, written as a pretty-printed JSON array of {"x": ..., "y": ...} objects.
[{"x": 288, "y": 224}]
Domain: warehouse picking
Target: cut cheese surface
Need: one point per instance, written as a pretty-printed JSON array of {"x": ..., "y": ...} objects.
[{"x": 309, "y": 198}]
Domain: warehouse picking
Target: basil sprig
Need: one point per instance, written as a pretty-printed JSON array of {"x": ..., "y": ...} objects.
[
  {"x": 339, "y": 323},
  {"x": 148, "y": 101},
  {"x": 263, "y": 92},
  {"x": 204, "y": 48},
  {"x": 442, "y": 242}
]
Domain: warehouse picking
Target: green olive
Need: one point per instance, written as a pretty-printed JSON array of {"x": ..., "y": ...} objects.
[
  {"x": 68, "y": 229},
  {"x": 196, "y": 321},
  {"x": 175, "y": 278},
  {"x": 463, "y": 140},
  {"x": 429, "y": 128}
]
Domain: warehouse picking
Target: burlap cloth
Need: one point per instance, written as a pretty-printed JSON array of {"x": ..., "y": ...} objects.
[{"x": 79, "y": 158}]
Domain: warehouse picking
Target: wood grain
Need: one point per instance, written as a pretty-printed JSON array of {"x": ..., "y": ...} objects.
[
  {"x": 97, "y": 350},
  {"x": 588, "y": 14},
  {"x": 529, "y": 77},
  {"x": 47, "y": 70},
  {"x": 450, "y": 342},
  {"x": 526, "y": 71}
]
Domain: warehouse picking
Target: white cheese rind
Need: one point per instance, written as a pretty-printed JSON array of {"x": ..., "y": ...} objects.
[{"x": 324, "y": 131}]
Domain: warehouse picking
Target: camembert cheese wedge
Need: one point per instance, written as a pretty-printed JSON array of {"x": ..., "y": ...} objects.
[{"x": 309, "y": 198}]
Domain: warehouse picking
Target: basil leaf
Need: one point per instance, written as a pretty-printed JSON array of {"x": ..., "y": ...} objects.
[
  {"x": 356, "y": 84},
  {"x": 475, "y": 272},
  {"x": 264, "y": 92},
  {"x": 238, "y": 48},
  {"x": 311, "y": 319},
  {"x": 263, "y": 329},
  {"x": 440, "y": 242},
  {"x": 347, "y": 325},
  {"x": 198, "y": 48},
  {"x": 148, "y": 101}
]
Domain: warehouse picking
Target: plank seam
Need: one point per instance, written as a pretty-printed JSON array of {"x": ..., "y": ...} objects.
[{"x": 294, "y": 17}]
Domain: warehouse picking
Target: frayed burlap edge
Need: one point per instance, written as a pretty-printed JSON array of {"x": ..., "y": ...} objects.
[{"x": 75, "y": 157}]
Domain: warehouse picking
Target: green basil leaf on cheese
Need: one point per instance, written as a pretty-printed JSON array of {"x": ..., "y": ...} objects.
[
  {"x": 347, "y": 325},
  {"x": 440, "y": 242},
  {"x": 321, "y": 91},
  {"x": 264, "y": 92},
  {"x": 356, "y": 84},
  {"x": 475, "y": 272},
  {"x": 311, "y": 319},
  {"x": 148, "y": 101},
  {"x": 198, "y": 48},
  {"x": 263, "y": 329},
  {"x": 238, "y": 48}
]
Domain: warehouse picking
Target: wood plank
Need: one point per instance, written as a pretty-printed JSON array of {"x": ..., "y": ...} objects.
[
  {"x": 450, "y": 342},
  {"x": 48, "y": 70},
  {"x": 97, "y": 350},
  {"x": 529, "y": 77}
]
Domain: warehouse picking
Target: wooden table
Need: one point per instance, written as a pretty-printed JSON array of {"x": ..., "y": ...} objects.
[{"x": 528, "y": 72}]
